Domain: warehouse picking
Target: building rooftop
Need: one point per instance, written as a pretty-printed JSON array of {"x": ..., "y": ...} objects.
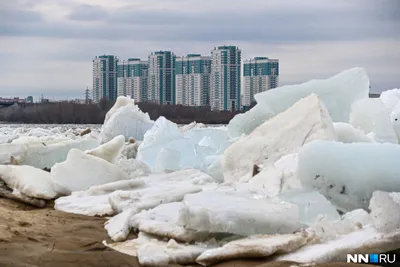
[{"x": 223, "y": 47}]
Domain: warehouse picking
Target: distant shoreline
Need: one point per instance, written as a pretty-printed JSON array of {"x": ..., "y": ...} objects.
[{"x": 74, "y": 113}]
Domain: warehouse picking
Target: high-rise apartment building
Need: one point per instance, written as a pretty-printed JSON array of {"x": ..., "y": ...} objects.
[
  {"x": 193, "y": 80},
  {"x": 225, "y": 78},
  {"x": 105, "y": 78},
  {"x": 260, "y": 74},
  {"x": 161, "y": 79},
  {"x": 132, "y": 77}
]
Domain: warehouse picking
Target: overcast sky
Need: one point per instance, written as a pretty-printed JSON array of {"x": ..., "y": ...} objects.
[{"x": 47, "y": 46}]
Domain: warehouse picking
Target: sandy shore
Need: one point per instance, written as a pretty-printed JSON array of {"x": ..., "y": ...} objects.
[{"x": 31, "y": 237}]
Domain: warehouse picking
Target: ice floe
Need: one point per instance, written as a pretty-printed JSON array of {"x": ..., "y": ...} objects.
[
  {"x": 284, "y": 134},
  {"x": 28, "y": 180},
  {"x": 348, "y": 174},
  {"x": 81, "y": 171},
  {"x": 125, "y": 118},
  {"x": 338, "y": 94}
]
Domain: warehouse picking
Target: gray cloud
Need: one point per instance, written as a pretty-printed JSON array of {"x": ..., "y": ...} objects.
[
  {"x": 270, "y": 26},
  {"x": 18, "y": 16},
  {"x": 286, "y": 29},
  {"x": 88, "y": 13}
]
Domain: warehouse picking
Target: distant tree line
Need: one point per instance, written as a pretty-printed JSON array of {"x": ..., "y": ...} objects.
[{"x": 74, "y": 113}]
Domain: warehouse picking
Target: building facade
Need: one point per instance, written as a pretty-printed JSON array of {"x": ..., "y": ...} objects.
[
  {"x": 132, "y": 77},
  {"x": 161, "y": 78},
  {"x": 105, "y": 78},
  {"x": 260, "y": 74},
  {"x": 193, "y": 80},
  {"x": 225, "y": 85}
]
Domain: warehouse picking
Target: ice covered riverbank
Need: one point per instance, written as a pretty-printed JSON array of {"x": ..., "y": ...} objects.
[{"x": 269, "y": 185}]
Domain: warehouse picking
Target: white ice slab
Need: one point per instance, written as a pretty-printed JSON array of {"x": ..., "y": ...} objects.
[
  {"x": 150, "y": 197},
  {"x": 94, "y": 201},
  {"x": 346, "y": 133},
  {"x": 284, "y": 134},
  {"x": 348, "y": 174},
  {"x": 268, "y": 182},
  {"x": 166, "y": 135},
  {"x": 109, "y": 151},
  {"x": 391, "y": 98},
  {"x": 133, "y": 168},
  {"x": 337, "y": 93},
  {"x": 395, "y": 119},
  {"x": 287, "y": 165},
  {"x": 43, "y": 154},
  {"x": 85, "y": 205},
  {"x": 168, "y": 160},
  {"x": 258, "y": 246},
  {"x": 230, "y": 212},
  {"x": 118, "y": 226},
  {"x": 125, "y": 118},
  {"x": 154, "y": 252},
  {"x": 311, "y": 204},
  {"x": 326, "y": 230},
  {"x": 130, "y": 150},
  {"x": 28, "y": 180},
  {"x": 371, "y": 116},
  {"x": 365, "y": 241},
  {"x": 159, "y": 189},
  {"x": 81, "y": 171},
  {"x": 163, "y": 221},
  {"x": 385, "y": 211}
]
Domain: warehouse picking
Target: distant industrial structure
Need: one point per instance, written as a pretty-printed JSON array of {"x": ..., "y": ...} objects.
[
  {"x": 192, "y": 80},
  {"x": 11, "y": 101}
]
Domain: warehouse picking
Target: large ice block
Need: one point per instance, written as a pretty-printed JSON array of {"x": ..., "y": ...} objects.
[
  {"x": 395, "y": 119},
  {"x": 81, "y": 171},
  {"x": 94, "y": 201},
  {"x": 28, "y": 180},
  {"x": 42, "y": 154},
  {"x": 96, "y": 205},
  {"x": 266, "y": 183},
  {"x": 230, "y": 212},
  {"x": 311, "y": 204},
  {"x": 348, "y": 174},
  {"x": 258, "y": 246},
  {"x": 346, "y": 133},
  {"x": 326, "y": 230},
  {"x": 109, "y": 151},
  {"x": 125, "y": 118},
  {"x": 133, "y": 168},
  {"x": 385, "y": 213},
  {"x": 371, "y": 116},
  {"x": 284, "y": 134},
  {"x": 160, "y": 189},
  {"x": 213, "y": 137},
  {"x": 366, "y": 240},
  {"x": 154, "y": 252},
  {"x": 168, "y": 160},
  {"x": 391, "y": 99},
  {"x": 245, "y": 123},
  {"x": 163, "y": 221},
  {"x": 166, "y": 135},
  {"x": 337, "y": 93}
]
